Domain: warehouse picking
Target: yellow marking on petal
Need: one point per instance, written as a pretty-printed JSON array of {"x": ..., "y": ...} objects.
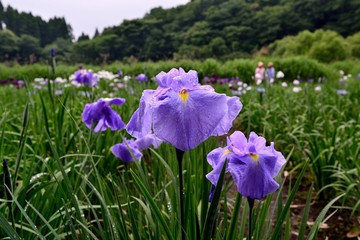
[
  {"x": 254, "y": 156},
  {"x": 184, "y": 95},
  {"x": 227, "y": 151}
]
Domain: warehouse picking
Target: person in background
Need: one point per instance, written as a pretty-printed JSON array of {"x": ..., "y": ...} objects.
[
  {"x": 270, "y": 73},
  {"x": 259, "y": 73}
]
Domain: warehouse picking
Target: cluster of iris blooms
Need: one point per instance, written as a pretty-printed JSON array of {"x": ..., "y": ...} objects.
[
  {"x": 174, "y": 114},
  {"x": 13, "y": 82}
]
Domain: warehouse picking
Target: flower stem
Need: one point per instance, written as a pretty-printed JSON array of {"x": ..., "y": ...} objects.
[
  {"x": 179, "y": 156},
  {"x": 251, "y": 206}
]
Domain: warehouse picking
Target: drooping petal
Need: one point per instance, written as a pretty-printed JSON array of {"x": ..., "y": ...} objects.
[
  {"x": 101, "y": 114},
  {"x": 113, "y": 120},
  {"x": 252, "y": 179},
  {"x": 127, "y": 151},
  {"x": 233, "y": 108},
  {"x": 92, "y": 113},
  {"x": 140, "y": 123},
  {"x": 147, "y": 141},
  {"x": 100, "y": 126},
  {"x": 186, "y": 122}
]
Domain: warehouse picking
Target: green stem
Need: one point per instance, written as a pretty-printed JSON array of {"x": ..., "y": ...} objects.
[
  {"x": 179, "y": 156},
  {"x": 251, "y": 205}
]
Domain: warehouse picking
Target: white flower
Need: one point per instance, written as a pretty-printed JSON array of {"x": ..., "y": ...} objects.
[
  {"x": 318, "y": 88},
  {"x": 60, "y": 80},
  {"x": 239, "y": 83},
  {"x": 248, "y": 88},
  {"x": 258, "y": 82},
  {"x": 341, "y": 72},
  {"x": 280, "y": 74},
  {"x": 296, "y": 89},
  {"x": 126, "y": 78},
  {"x": 284, "y": 84},
  {"x": 296, "y": 82}
]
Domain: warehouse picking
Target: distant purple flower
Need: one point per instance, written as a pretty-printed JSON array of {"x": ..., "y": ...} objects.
[
  {"x": 310, "y": 80},
  {"x": 223, "y": 80},
  {"x": 142, "y": 77},
  {"x": 261, "y": 90},
  {"x": 341, "y": 92},
  {"x": 357, "y": 75},
  {"x": 251, "y": 163},
  {"x": 86, "y": 78},
  {"x": 52, "y": 52},
  {"x": 119, "y": 73},
  {"x": 4, "y": 81},
  {"x": 182, "y": 112},
  {"x": 101, "y": 114},
  {"x": 130, "y": 150}
]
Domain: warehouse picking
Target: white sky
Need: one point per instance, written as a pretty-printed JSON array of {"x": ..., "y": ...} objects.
[{"x": 87, "y": 15}]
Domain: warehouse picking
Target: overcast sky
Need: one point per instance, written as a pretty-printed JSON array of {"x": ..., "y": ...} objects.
[{"x": 87, "y": 15}]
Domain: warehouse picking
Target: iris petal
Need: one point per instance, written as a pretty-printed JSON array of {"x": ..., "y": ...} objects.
[{"x": 186, "y": 126}]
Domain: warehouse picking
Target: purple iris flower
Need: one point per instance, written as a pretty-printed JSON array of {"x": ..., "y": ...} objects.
[
  {"x": 252, "y": 164},
  {"x": 119, "y": 73},
  {"x": 142, "y": 77},
  {"x": 101, "y": 114},
  {"x": 341, "y": 92},
  {"x": 260, "y": 90},
  {"x": 130, "y": 150},
  {"x": 52, "y": 52},
  {"x": 86, "y": 78},
  {"x": 182, "y": 112}
]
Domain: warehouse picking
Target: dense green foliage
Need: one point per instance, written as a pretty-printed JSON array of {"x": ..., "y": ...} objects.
[
  {"x": 25, "y": 35},
  {"x": 226, "y": 29},
  {"x": 301, "y": 68},
  {"x": 200, "y": 29},
  {"x": 325, "y": 46}
]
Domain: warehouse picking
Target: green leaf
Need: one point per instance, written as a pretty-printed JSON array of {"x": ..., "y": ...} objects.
[
  {"x": 153, "y": 205},
  {"x": 211, "y": 214}
]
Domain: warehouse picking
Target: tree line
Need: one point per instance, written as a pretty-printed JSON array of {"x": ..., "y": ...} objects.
[{"x": 200, "y": 29}]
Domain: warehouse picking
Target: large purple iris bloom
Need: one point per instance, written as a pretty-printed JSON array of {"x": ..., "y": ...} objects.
[
  {"x": 86, "y": 78},
  {"x": 182, "y": 112},
  {"x": 101, "y": 114},
  {"x": 252, "y": 164},
  {"x": 130, "y": 150}
]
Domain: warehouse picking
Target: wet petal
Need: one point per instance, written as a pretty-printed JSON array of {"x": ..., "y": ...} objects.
[
  {"x": 140, "y": 123},
  {"x": 187, "y": 123}
]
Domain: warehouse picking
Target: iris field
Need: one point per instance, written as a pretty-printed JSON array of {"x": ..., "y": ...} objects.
[{"x": 63, "y": 179}]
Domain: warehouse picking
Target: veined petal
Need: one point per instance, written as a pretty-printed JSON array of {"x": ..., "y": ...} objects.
[
  {"x": 231, "y": 111},
  {"x": 238, "y": 141},
  {"x": 186, "y": 125},
  {"x": 252, "y": 180},
  {"x": 147, "y": 141},
  {"x": 140, "y": 123}
]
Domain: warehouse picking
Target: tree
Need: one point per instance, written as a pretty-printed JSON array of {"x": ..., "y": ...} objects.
[
  {"x": 83, "y": 37},
  {"x": 29, "y": 48},
  {"x": 9, "y": 44}
]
